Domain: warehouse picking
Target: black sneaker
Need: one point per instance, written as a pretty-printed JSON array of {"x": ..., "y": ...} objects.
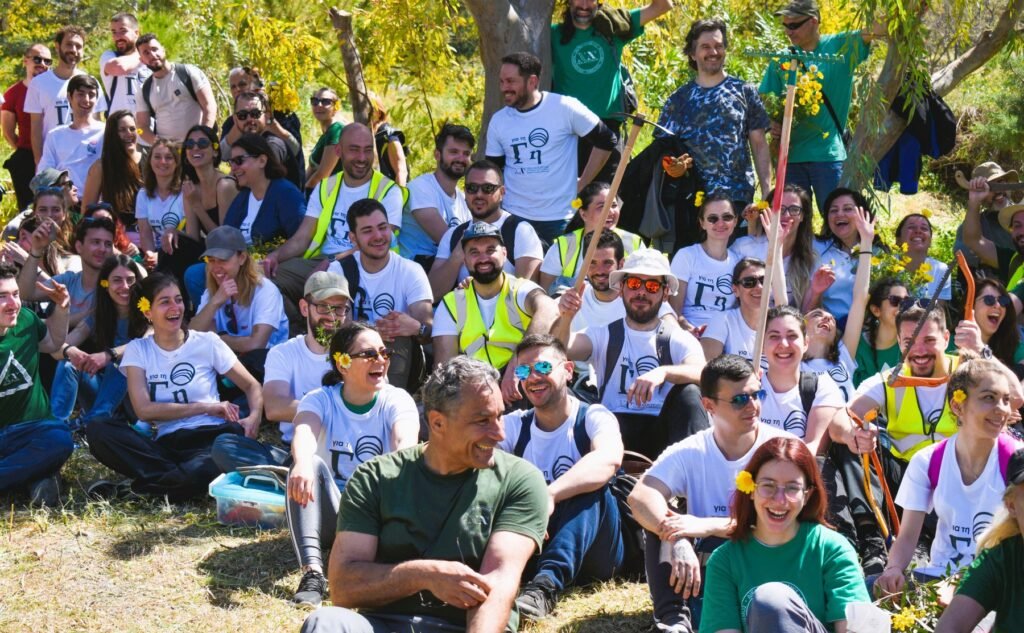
[
  {"x": 105, "y": 490},
  {"x": 538, "y": 598},
  {"x": 312, "y": 589},
  {"x": 46, "y": 492}
]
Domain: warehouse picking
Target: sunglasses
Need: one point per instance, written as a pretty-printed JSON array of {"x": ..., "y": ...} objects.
[
  {"x": 991, "y": 300},
  {"x": 45, "y": 61},
  {"x": 751, "y": 282},
  {"x": 326, "y": 308},
  {"x": 910, "y": 302},
  {"x": 487, "y": 188},
  {"x": 542, "y": 367},
  {"x": 792, "y": 26},
  {"x": 238, "y": 160},
  {"x": 255, "y": 113},
  {"x": 896, "y": 300},
  {"x": 202, "y": 143},
  {"x": 793, "y": 210},
  {"x": 741, "y": 400},
  {"x": 373, "y": 354},
  {"x": 713, "y": 219},
  {"x": 650, "y": 285},
  {"x": 317, "y": 101}
]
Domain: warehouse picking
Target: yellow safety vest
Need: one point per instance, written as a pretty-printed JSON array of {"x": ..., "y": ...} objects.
[
  {"x": 329, "y": 189},
  {"x": 570, "y": 248},
  {"x": 907, "y": 428},
  {"x": 493, "y": 345}
]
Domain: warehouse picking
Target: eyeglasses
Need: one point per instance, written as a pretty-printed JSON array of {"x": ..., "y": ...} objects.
[
  {"x": 326, "y": 308},
  {"x": 650, "y": 285},
  {"x": 45, "y": 61},
  {"x": 317, "y": 101},
  {"x": 741, "y": 400},
  {"x": 910, "y": 302},
  {"x": 542, "y": 367},
  {"x": 896, "y": 300},
  {"x": 991, "y": 300},
  {"x": 255, "y": 113},
  {"x": 792, "y": 26},
  {"x": 202, "y": 143},
  {"x": 792, "y": 492},
  {"x": 487, "y": 187},
  {"x": 238, "y": 160},
  {"x": 713, "y": 219},
  {"x": 372, "y": 354},
  {"x": 793, "y": 210},
  {"x": 751, "y": 282}
]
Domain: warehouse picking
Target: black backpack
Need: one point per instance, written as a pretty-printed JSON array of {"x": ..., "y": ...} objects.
[
  {"x": 616, "y": 337},
  {"x": 181, "y": 70},
  {"x": 507, "y": 230}
]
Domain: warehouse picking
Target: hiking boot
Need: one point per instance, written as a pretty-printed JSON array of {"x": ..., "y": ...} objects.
[
  {"x": 46, "y": 492},
  {"x": 312, "y": 589},
  {"x": 538, "y": 598}
]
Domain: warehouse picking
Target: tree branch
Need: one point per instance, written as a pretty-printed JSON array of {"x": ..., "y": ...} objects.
[{"x": 342, "y": 22}]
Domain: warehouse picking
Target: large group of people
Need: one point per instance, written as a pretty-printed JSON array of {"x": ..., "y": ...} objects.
[{"x": 474, "y": 415}]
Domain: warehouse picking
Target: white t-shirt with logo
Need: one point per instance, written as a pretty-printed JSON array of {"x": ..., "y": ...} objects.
[
  {"x": 267, "y": 308},
  {"x": 336, "y": 239},
  {"x": 639, "y": 355},
  {"x": 708, "y": 283},
  {"x": 188, "y": 374},
  {"x": 348, "y": 439},
  {"x": 736, "y": 337},
  {"x": 964, "y": 512},
  {"x": 73, "y": 150},
  {"x": 786, "y": 411},
  {"x": 539, "y": 146},
  {"x": 425, "y": 192},
  {"x": 48, "y": 95},
  {"x": 555, "y": 452},
  {"x": 444, "y": 322},
  {"x": 696, "y": 468},
  {"x": 401, "y": 283},
  {"x": 527, "y": 245},
  {"x": 293, "y": 362},
  {"x": 163, "y": 214},
  {"x": 128, "y": 86},
  {"x": 841, "y": 372}
]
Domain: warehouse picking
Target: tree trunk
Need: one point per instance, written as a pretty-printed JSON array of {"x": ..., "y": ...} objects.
[
  {"x": 509, "y": 26},
  {"x": 872, "y": 141},
  {"x": 342, "y": 22}
]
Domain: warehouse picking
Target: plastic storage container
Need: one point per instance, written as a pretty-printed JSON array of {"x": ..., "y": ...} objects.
[{"x": 249, "y": 500}]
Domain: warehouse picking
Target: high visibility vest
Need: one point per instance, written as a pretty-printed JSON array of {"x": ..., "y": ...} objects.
[
  {"x": 496, "y": 344},
  {"x": 329, "y": 189},
  {"x": 907, "y": 428},
  {"x": 570, "y": 247}
]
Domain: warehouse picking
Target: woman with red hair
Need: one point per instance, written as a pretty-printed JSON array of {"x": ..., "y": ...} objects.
[{"x": 783, "y": 569}]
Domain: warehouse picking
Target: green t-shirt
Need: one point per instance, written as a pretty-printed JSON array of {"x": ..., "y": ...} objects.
[
  {"x": 587, "y": 66},
  {"x": 872, "y": 361},
  {"x": 331, "y": 137},
  {"x": 994, "y": 580},
  {"x": 806, "y": 144},
  {"x": 22, "y": 397},
  {"x": 416, "y": 513},
  {"x": 819, "y": 564}
]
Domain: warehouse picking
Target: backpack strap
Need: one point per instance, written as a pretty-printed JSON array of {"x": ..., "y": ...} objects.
[
  {"x": 663, "y": 345},
  {"x": 110, "y": 95},
  {"x": 508, "y": 234},
  {"x": 181, "y": 70},
  {"x": 579, "y": 429},
  {"x": 457, "y": 235},
  {"x": 147, "y": 87},
  {"x": 808, "y": 390},
  {"x": 350, "y": 268},
  {"x": 616, "y": 337},
  {"x": 935, "y": 463},
  {"x": 524, "y": 434},
  {"x": 1005, "y": 447}
]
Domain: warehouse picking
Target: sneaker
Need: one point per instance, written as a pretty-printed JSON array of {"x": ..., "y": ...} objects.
[
  {"x": 104, "y": 489},
  {"x": 312, "y": 589},
  {"x": 46, "y": 492},
  {"x": 538, "y": 598}
]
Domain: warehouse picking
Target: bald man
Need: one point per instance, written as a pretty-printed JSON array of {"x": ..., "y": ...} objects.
[{"x": 17, "y": 124}]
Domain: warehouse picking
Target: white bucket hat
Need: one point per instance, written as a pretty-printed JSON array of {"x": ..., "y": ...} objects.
[{"x": 646, "y": 261}]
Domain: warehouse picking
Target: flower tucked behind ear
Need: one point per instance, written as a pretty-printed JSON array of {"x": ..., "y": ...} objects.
[
  {"x": 143, "y": 305},
  {"x": 959, "y": 396},
  {"x": 104, "y": 283},
  {"x": 576, "y": 204},
  {"x": 342, "y": 360},
  {"x": 745, "y": 482},
  {"x": 698, "y": 199}
]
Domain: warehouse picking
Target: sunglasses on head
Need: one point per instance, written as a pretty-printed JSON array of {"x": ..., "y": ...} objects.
[
  {"x": 487, "y": 188},
  {"x": 238, "y": 160},
  {"x": 321, "y": 101},
  {"x": 45, "y": 61},
  {"x": 741, "y": 400},
  {"x": 752, "y": 281},
  {"x": 372, "y": 354},
  {"x": 542, "y": 367},
  {"x": 650, "y": 285},
  {"x": 202, "y": 143},
  {"x": 991, "y": 300},
  {"x": 255, "y": 113},
  {"x": 713, "y": 219},
  {"x": 792, "y": 26}
]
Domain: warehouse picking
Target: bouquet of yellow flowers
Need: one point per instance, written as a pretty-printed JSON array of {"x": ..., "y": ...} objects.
[
  {"x": 893, "y": 264},
  {"x": 809, "y": 97}
]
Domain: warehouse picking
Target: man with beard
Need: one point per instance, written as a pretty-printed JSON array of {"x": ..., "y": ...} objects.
[
  {"x": 489, "y": 317},
  {"x": 534, "y": 137},
  {"x": 121, "y": 69},
  {"x": 578, "y": 448},
  {"x": 47, "y": 98},
  {"x": 485, "y": 191},
  {"x": 731, "y": 108},
  {"x": 17, "y": 124},
  {"x": 253, "y": 116},
  {"x": 988, "y": 207},
  {"x": 293, "y": 369},
  {"x": 992, "y": 251},
  {"x": 389, "y": 292},
  {"x": 75, "y": 147},
  {"x": 635, "y": 357},
  {"x": 435, "y": 201},
  {"x": 174, "y": 98}
]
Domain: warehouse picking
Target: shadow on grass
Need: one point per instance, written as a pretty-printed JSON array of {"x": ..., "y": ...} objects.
[
  {"x": 144, "y": 539},
  {"x": 255, "y": 565}
]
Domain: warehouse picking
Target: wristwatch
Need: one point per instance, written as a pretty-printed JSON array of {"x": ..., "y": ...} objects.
[
  {"x": 423, "y": 331},
  {"x": 986, "y": 352}
]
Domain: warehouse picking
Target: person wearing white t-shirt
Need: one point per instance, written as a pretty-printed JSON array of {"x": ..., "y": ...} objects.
[
  {"x": 172, "y": 382},
  {"x": 436, "y": 203},
  {"x": 484, "y": 194},
  {"x": 76, "y": 146},
  {"x": 733, "y": 332},
  {"x": 121, "y": 69},
  {"x": 534, "y": 138},
  {"x": 701, "y": 469},
  {"x": 584, "y": 533},
  {"x": 293, "y": 369},
  {"x": 650, "y": 382},
  {"x": 968, "y": 487},
  {"x": 179, "y": 95},
  {"x": 353, "y": 418},
  {"x": 705, "y": 270}
]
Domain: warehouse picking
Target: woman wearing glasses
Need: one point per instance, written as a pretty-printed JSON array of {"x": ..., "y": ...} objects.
[
  {"x": 205, "y": 190},
  {"x": 704, "y": 270},
  {"x": 353, "y": 418},
  {"x": 117, "y": 176},
  {"x": 915, "y": 231},
  {"x": 879, "y": 349},
  {"x": 735, "y": 330},
  {"x": 268, "y": 206},
  {"x": 783, "y": 568},
  {"x": 994, "y": 326},
  {"x": 323, "y": 160}
]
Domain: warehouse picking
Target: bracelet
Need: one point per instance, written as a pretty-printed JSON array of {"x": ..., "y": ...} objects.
[
  {"x": 113, "y": 356},
  {"x": 863, "y": 253},
  {"x": 31, "y": 254},
  {"x": 64, "y": 352}
]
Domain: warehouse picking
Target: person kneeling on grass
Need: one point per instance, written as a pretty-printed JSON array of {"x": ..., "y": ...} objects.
[{"x": 355, "y": 417}]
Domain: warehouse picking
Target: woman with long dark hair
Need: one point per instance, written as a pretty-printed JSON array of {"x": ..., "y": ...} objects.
[
  {"x": 117, "y": 176},
  {"x": 994, "y": 325},
  {"x": 205, "y": 190},
  {"x": 879, "y": 350}
]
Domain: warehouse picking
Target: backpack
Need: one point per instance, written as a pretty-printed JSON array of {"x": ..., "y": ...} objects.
[
  {"x": 808, "y": 390},
  {"x": 181, "y": 70},
  {"x": 350, "y": 268},
  {"x": 1005, "y": 446},
  {"x": 616, "y": 337},
  {"x": 507, "y": 230}
]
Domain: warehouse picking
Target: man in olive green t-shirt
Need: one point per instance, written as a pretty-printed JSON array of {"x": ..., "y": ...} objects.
[{"x": 435, "y": 537}]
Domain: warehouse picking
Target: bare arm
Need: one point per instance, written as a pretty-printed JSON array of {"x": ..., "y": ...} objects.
[
  {"x": 57, "y": 324},
  {"x": 37, "y": 136},
  {"x": 527, "y": 267},
  {"x": 444, "y": 273},
  {"x": 861, "y": 284},
  {"x": 279, "y": 401},
  {"x": 396, "y": 156},
  {"x": 677, "y": 300},
  {"x": 239, "y": 375},
  {"x": 257, "y": 340},
  {"x": 93, "y": 181},
  {"x": 762, "y": 159},
  {"x": 145, "y": 125},
  {"x": 543, "y": 312},
  {"x": 227, "y": 189},
  {"x": 295, "y": 246},
  {"x": 862, "y": 404},
  {"x": 502, "y": 566},
  {"x": 445, "y": 348},
  {"x": 817, "y": 423},
  {"x": 121, "y": 65},
  {"x": 209, "y": 106},
  {"x": 592, "y": 471},
  {"x": 961, "y": 616},
  {"x": 902, "y": 551},
  {"x": 9, "y": 123},
  {"x": 655, "y": 10},
  {"x": 146, "y": 409},
  {"x": 598, "y": 157},
  {"x": 327, "y": 162},
  {"x": 712, "y": 348},
  {"x": 430, "y": 220},
  {"x": 983, "y": 248}
]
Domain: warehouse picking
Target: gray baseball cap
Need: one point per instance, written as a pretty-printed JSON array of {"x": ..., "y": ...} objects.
[
  {"x": 324, "y": 285},
  {"x": 223, "y": 242},
  {"x": 49, "y": 177},
  {"x": 477, "y": 230},
  {"x": 800, "y": 9}
]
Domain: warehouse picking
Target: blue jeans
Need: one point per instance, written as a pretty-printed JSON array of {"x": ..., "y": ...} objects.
[
  {"x": 819, "y": 178},
  {"x": 195, "y": 284},
  {"x": 341, "y": 620},
  {"x": 231, "y": 452},
  {"x": 548, "y": 230},
  {"x": 585, "y": 539},
  {"x": 100, "y": 395},
  {"x": 30, "y": 451}
]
